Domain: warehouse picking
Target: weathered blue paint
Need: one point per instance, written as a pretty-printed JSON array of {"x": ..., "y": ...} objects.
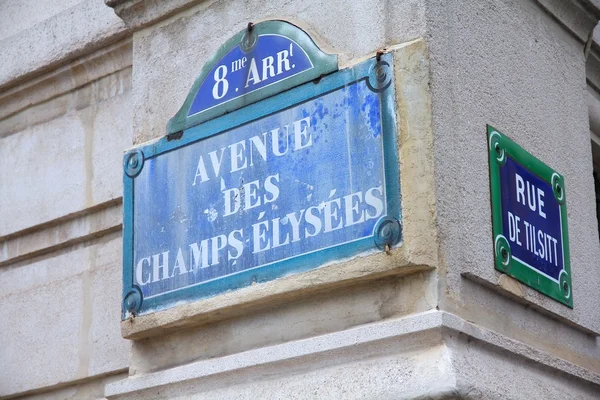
[
  {"x": 271, "y": 59},
  {"x": 194, "y": 206},
  {"x": 531, "y": 220}
]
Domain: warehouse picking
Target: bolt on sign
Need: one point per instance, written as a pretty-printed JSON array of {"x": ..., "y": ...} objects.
[
  {"x": 276, "y": 163},
  {"x": 529, "y": 218}
]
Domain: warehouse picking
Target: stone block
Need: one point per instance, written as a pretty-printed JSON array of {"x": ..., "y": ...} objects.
[
  {"x": 60, "y": 35},
  {"x": 46, "y": 174},
  {"x": 67, "y": 164},
  {"x": 91, "y": 390},
  {"x": 109, "y": 352},
  {"x": 39, "y": 345},
  {"x": 333, "y": 311},
  {"x": 45, "y": 271},
  {"x": 67, "y": 233},
  {"x": 21, "y": 11},
  {"x": 112, "y": 136},
  {"x": 62, "y": 315}
]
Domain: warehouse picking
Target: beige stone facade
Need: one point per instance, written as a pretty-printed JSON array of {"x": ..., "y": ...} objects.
[{"x": 82, "y": 81}]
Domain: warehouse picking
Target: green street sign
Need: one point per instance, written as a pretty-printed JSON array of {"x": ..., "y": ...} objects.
[{"x": 529, "y": 219}]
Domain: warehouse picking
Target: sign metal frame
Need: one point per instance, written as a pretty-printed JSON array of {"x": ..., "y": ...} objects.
[
  {"x": 378, "y": 73},
  {"x": 499, "y": 148}
]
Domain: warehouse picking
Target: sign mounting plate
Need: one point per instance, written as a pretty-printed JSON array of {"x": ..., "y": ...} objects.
[
  {"x": 529, "y": 217},
  {"x": 280, "y": 186}
]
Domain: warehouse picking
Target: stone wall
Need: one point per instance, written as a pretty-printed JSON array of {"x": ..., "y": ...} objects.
[
  {"x": 80, "y": 83},
  {"x": 65, "y": 119}
]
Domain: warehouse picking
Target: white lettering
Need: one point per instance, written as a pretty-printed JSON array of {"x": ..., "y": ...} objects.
[
  {"x": 530, "y": 196},
  {"x": 236, "y": 243},
  {"x": 251, "y": 195},
  {"x": 351, "y": 208},
  {"x": 313, "y": 220},
  {"x": 218, "y": 243},
  {"x": 277, "y": 141},
  {"x": 282, "y": 61},
  {"x": 300, "y": 133},
  {"x": 229, "y": 195},
  {"x": 157, "y": 267},
  {"x": 374, "y": 201},
  {"x": 252, "y": 74},
  {"x": 259, "y": 230},
  {"x": 541, "y": 203},
  {"x": 268, "y": 71},
  {"x": 139, "y": 271},
  {"x": 200, "y": 172},
  {"x": 520, "y": 189},
  {"x": 179, "y": 264},
  {"x": 216, "y": 161},
  {"x": 195, "y": 254},
  {"x": 260, "y": 146},
  {"x": 295, "y": 222},
  {"x": 330, "y": 212},
  {"x": 276, "y": 235},
  {"x": 271, "y": 188},
  {"x": 238, "y": 156}
]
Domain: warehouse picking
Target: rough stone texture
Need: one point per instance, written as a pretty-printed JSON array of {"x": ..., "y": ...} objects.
[
  {"x": 107, "y": 350},
  {"x": 137, "y": 14},
  {"x": 62, "y": 134},
  {"x": 36, "y": 328},
  {"x": 428, "y": 355},
  {"x": 329, "y": 312},
  {"x": 57, "y": 314},
  {"x": 79, "y": 391},
  {"x": 71, "y": 33},
  {"x": 578, "y": 17},
  {"x": 486, "y": 372},
  {"x": 594, "y": 111},
  {"x": 366, "y": 267},
  {"x": 28, "y": 104},
  {"x": 68, "y": 163},
  {"x": 21, "y": 11},
  {"x": 378, "y": 356},
  {"x": 71, "y": 231},
  {"x": 592, "y": 67},
  {"x": 386, "y": 377},
  {"x": 507, "y": 64},
  {"x": 415, "y": 148}
]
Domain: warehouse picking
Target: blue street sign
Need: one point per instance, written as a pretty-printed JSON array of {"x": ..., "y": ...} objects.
[
  {"x": 242, "y": 70},
  {"x": 280, "y": 186},
  {"x": 258, "y": 62},
  {"x": 529, "y": 219}
]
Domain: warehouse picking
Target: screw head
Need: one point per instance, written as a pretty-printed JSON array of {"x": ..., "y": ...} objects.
[
  {"x": 130, "y": 303},
  {"x": 133, "y": 300},
  {"x": 133, "y": 161}
]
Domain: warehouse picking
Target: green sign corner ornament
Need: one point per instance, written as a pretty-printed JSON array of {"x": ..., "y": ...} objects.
[{"x": 529, "y": 219}]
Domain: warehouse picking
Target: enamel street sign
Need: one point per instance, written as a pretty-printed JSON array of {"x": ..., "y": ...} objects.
[
  {"x": 288, "y": 180},
  {"x": 529, "y": 216}
]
